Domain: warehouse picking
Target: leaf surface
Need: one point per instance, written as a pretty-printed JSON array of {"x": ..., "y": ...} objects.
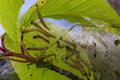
[
  {"x": 73, "y": 10},
  {"x": 9, "y": 13},
  {"x": 31, "y": 72}
]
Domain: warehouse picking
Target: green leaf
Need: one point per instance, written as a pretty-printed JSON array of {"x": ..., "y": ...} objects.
[
  {"x": 34, "y": 73},
  {"x": 9, "y": 13},
  {"x": 73, "y": 10}
]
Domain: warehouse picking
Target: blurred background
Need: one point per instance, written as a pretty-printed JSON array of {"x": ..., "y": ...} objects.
[{"x": 115, "y": 4}]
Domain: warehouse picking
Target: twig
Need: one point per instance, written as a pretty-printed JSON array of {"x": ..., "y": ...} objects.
[{"x": 66, "y": 73}]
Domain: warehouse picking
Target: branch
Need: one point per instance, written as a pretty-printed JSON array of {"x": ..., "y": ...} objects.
[{"x": 50, "y": 66}]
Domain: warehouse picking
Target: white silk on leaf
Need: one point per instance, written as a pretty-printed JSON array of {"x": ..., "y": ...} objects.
[{"x": 102, "y": 52}]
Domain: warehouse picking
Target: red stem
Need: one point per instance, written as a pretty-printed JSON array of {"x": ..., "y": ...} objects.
[
  {"x": 2, "y": 49},
  {"x": 28, "y": 58},
  {"x": 23, "y": 61}
]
